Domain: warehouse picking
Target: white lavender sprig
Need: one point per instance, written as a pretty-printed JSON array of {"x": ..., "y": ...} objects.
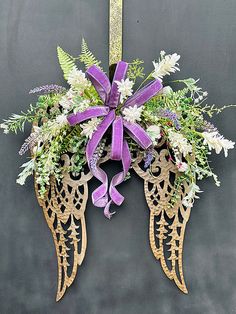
[
  {"x": 209, "y": 127},
  {"x": 48, "y": 89}
]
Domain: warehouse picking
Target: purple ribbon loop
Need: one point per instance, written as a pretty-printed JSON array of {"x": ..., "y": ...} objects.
[
  {"x": 120, "y": 73},
  {"x": 138, "y": 134},
  {"x": 119, "y": 147},
  {"x": 92, "y": 112},
  {"x": 144, "y": 94},
  {"x": 100, "y": 81},
  {"x": 115, "y": 196},
  {"x": 119, "y": 177}
]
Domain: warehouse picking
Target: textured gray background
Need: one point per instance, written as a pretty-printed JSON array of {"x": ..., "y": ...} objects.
[{"x": 119, "y": 274}]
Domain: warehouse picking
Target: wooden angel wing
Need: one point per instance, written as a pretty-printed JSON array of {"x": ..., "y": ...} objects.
[
  {"x": 167, "y": 224},
  {"x": 64, "y": 206}
]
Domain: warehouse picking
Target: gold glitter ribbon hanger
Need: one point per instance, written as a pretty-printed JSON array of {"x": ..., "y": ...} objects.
[{"x": 115, "y": 31}]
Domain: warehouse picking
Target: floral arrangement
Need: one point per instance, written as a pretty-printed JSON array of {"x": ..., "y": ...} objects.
[
  {"x": 70, "y": 119},
  {"x": 164, "y": 134}
]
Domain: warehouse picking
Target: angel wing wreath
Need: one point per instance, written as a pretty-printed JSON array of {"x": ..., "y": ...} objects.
[{"x": 161, "y": 132}]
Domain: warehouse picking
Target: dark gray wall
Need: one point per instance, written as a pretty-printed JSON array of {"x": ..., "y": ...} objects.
[{"x": 119, "y": 274}]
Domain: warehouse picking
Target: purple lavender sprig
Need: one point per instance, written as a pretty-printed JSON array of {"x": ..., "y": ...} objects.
[
  {"x": 94, "y": 161},
  {"x": 167, "y": 113},
  {"x": 209, "y": 127},
  {"x": 29, "y": 143},
  {"x": 48, "y": 89},
  {"x": 148, "y": 158},
  {"x": 96, "y": 156}
]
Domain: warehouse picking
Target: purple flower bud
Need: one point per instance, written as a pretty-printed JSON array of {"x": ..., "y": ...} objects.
[
  {"x": 167, "y": 113},
  {"x": 96, "y": 156},
  {"x": 148, "y": 158},
  {"x": 29, "y": 143}
]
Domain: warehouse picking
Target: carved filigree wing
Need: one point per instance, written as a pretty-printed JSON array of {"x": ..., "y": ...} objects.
[
  {"x": 64, "y": 206},
  {"x": 167, "y": 224}
]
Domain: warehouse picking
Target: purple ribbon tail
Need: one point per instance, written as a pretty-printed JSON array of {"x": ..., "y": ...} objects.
[
  {"x": 117, "y": 139},
  {"x": 99, "y": 196},
  {"x": 107, "y": 213},
  {"x": 116, "y": 197}
]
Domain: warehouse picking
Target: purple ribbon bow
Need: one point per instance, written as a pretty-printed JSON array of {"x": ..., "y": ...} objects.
[{"x": 119, "y": 147}]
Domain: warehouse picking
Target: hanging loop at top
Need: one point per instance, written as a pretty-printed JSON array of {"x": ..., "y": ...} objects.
[{"x": 115, "y": 31}]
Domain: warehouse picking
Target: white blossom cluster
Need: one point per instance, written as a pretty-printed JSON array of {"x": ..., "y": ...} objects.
[
  {"x": 132, "y": 114},
  {"x": 77, "y": 80},
  {"x": 88, "y": 128},
  {"x": 188, "y": 200},
  {"x": 125, "y": 88},
  {"x": 177, "y": 140},
  {"x": 78, "y": 84}
]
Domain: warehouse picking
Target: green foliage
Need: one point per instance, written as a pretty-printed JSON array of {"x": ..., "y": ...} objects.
[
  {"x": 135, "y": 70},
  {"x": 28, "y": 169},
  {"x": 171, "y": 101},
  {"x": 175, "y": 194},
  {"x": 211, "y": 110},
  {"x": 66, "y": 61},
  {"x": 16, "y": 122},
  {"x": 87, "y": 57},
  {"x": 48, "y": 158},
  {"x": 191, "y": 84},
  {"x": 178, "y": 117},
  {"x": 47, "y": 101},
  {"x": 191, "y": 117},
  {"x": 78, "y": 159},
  {"x": 47, "y": 164}
]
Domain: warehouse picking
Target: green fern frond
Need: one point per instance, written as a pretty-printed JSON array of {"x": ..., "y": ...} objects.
[
  {"x": 87, "y": 57},
  {"x": 66, "y": 61}
]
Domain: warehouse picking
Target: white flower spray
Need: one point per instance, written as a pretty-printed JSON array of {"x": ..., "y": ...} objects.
[
  {"x": 178, "y": 141},
  {"x": 154, "y": 132},
  {"x": 188, "y": 200},
  {"x": 217, "y": 142},
  {"x": 166, "y": 65}
]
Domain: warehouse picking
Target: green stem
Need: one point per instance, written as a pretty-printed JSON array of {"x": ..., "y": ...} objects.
[{"x": 144, "y": 81}]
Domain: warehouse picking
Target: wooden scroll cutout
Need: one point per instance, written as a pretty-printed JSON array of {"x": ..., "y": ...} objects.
[
  {"x": 64, "y": 209},
  {"x": 64, "y": 206},
  {"x": 167, "y": 225}
]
